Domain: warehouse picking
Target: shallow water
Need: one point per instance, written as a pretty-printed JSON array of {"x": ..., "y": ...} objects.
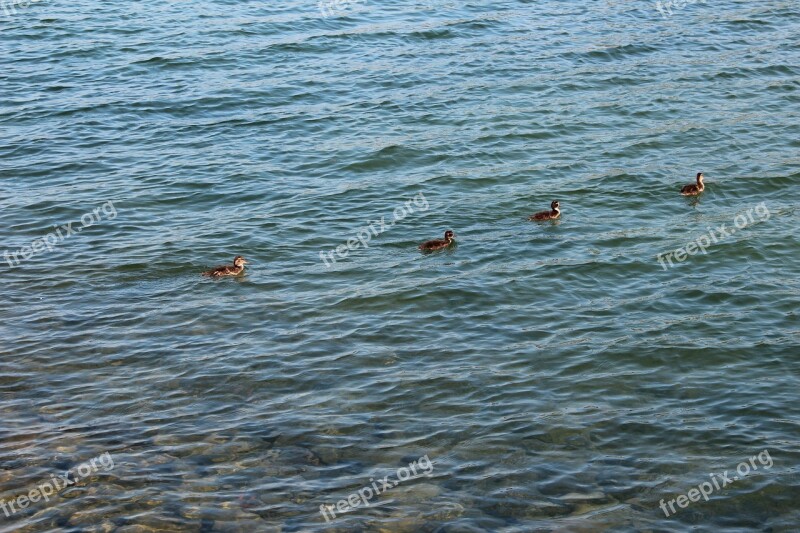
[{"x": 555, "y": 374}]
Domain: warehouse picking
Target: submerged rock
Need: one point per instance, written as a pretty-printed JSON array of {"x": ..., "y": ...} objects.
[
  {"x": 242, "y": 526},
  {"x": 415, "y": 492},
  {"x": 86, "y": 517},
  {"x": 524, "y": 509},
  {"x": 403, "y": 525},
  {"x": 581, "y": 497},
  {"x": 444, "y": 512},
  {"x": 460, "y": 528},
  {"x": 135, "y": 529}
]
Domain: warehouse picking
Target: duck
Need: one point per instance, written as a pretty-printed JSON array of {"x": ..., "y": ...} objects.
[
  {"x": 692, "y": 189},
  {"x": 548, "y": 215},
  {"x": 226, "y": 270},
  {"x": 438, "y": 244}
]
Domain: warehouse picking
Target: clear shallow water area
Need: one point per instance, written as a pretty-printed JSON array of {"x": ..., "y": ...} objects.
[{"x": 559, "y": 376}]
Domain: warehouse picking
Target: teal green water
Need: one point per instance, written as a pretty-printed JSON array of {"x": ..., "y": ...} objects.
[{"x": 556, "y": 376}]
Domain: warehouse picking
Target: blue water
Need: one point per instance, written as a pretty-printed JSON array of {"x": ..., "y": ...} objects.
[{"x": 557, "y": 376}]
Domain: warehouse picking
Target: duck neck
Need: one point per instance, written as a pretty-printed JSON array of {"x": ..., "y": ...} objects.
[{"x": 556, "y": 212}]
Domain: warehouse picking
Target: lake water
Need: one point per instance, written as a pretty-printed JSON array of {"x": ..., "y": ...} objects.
[{"x": 556, "y": 376}]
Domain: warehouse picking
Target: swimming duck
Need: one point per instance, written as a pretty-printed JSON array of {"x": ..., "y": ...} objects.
[
  {"x": 694, "y": 190},
  {"x": 227, "y": 270},
  {"x": 548, "y": 215},
  {"x": 438, "y": 244}
]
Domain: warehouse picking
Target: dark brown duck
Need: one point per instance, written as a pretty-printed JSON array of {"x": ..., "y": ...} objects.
[
  {"x": 692, "y": 189},
  {"x": 228, "y": 270},
  {"x": 438, "y": 244},
  {"x": 548, "y": 215}
]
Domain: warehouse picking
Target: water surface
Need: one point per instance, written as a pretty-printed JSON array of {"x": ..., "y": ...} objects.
[{"x": 555, "y": 374}]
